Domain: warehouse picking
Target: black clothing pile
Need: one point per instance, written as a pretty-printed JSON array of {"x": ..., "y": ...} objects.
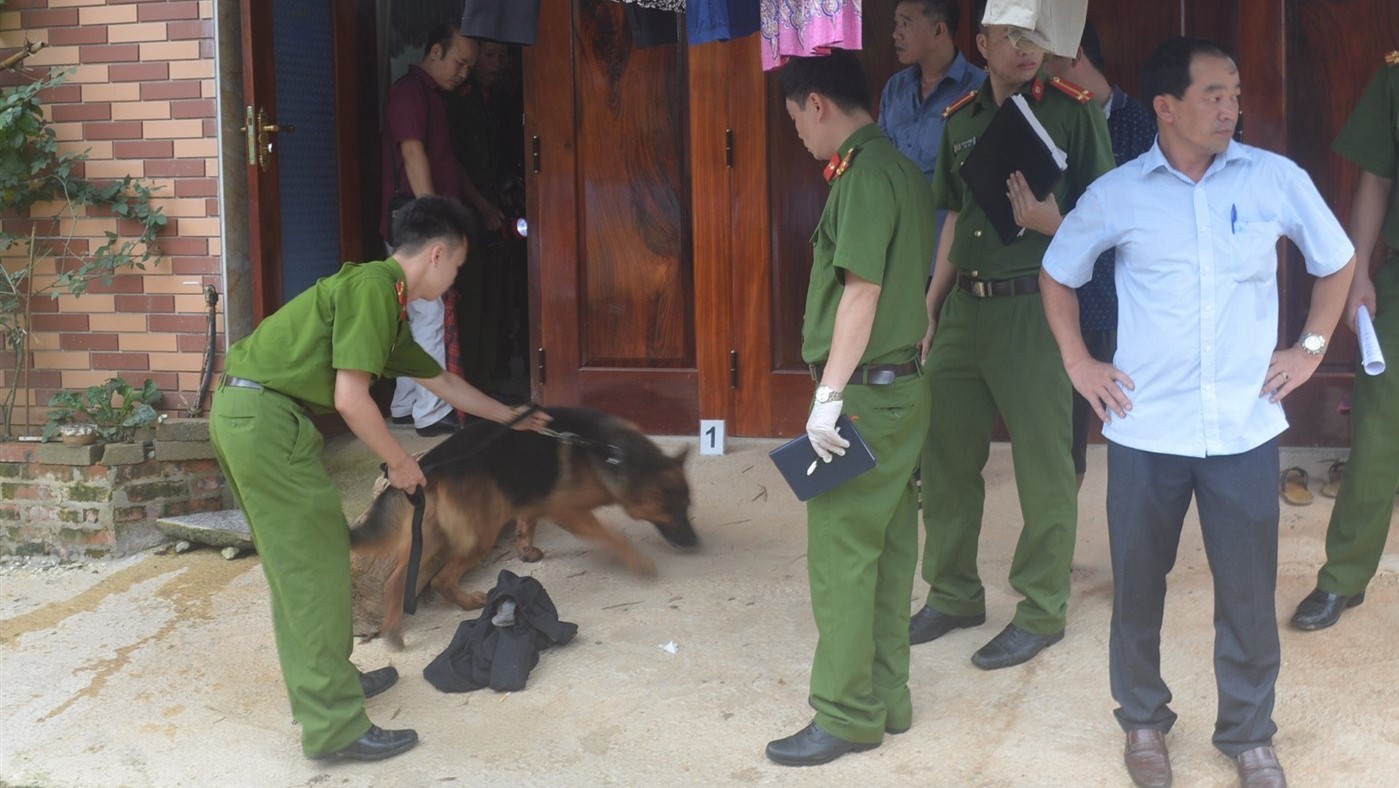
[{"x": 494, "y": 650}]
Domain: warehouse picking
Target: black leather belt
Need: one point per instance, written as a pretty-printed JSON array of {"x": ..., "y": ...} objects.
[
  {"x": 242, "y": 383},
  {"x": 871, "y": 374},
  {"x": 987, "y": 288}
]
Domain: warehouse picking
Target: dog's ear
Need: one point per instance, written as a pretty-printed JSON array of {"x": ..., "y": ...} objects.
[{"x": 682, "y": 455}]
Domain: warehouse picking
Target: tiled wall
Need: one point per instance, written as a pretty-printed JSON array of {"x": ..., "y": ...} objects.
[{"x": 141, "y": 102}]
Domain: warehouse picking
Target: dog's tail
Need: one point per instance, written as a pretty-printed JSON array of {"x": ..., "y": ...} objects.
[{"x": 383, "y": 517}]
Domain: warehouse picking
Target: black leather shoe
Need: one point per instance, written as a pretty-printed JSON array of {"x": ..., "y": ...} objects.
[
  {"x": 929, "y": 624},
  {"x": 402, "y": 421},
  {"x": 376, "y": 681},
  {"x": 1320, "y": 609},
  {"x": 375, "y": 745},
  {"x": 1012, "y": 647},
  {"x": 811, "y": 746},
  {"x": 443, "y": 426}
]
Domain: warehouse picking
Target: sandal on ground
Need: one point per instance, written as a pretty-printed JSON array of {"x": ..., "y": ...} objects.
[
  {"x": 1293, "y": 486},
  {"x": 1334, "y": 474}
]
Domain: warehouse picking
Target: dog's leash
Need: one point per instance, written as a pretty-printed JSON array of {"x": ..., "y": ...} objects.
[{"x": 419, "y": 501}]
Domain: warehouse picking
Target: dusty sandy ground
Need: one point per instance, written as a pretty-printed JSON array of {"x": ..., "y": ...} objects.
[{"x": 159, "y": 670}]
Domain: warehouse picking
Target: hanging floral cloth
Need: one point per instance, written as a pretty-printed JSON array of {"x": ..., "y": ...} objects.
[{"x": 801, "y": 28}]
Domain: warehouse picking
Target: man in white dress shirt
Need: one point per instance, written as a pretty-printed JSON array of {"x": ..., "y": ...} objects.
[{"x": 1192, "y": 398}]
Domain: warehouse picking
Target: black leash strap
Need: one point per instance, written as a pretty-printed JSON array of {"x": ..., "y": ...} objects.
[
  {"x": 415, "y": 554},
  {"x": 419, "y": 501}
]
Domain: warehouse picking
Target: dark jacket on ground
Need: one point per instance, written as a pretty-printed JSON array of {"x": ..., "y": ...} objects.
[{"x": 484, "y": 655}]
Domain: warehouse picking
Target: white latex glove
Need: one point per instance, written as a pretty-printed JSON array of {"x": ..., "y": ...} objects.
[{"x": 821, "y": 430}]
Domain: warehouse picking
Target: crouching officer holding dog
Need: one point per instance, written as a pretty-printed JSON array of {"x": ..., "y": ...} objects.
[
  {"x": 864, "y": 318},
  {"x": 319, "y": 353}
]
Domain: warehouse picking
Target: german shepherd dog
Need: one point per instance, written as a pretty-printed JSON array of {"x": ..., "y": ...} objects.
[{"x": 485, "y": 475}]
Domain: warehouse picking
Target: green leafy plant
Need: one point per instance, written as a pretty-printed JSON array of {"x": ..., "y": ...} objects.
[
  {"x": 41, "y": 193},
  {"x": 115, "y": 409}
]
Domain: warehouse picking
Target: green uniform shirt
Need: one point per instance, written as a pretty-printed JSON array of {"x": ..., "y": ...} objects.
[
  {"x": 1079, "y": 129},
  {"x": 1370, "y": 138},
  {"x": 350, "y": 320},
  {"x": 879, "y": 224}
]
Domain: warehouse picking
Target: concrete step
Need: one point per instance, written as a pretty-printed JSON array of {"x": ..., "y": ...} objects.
[{"x": 226, "y": 528}]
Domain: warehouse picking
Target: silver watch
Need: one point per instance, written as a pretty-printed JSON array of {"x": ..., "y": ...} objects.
[
  {"x": 826, "y": 394},
  {"x": 1312, "y": 343}
]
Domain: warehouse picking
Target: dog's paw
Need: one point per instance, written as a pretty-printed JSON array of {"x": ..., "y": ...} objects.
[
  {"x": 641, "y": 565},
  {"x": 394, "y": 640},
  {"x": 530, "y": 554},
  {"x": 475, "y": 600}
]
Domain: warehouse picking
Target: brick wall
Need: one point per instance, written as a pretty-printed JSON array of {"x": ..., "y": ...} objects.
[
  {"x": 97, "y": 501},
  {"x": 141, "y": 102}
]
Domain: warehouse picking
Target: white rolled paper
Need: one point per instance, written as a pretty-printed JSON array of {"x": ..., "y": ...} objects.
[{"x": 1371, "y": 357}]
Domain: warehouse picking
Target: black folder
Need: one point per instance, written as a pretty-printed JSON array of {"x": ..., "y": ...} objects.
[
  {"x": 1013, "y": 140},
  {"x": 808, "y": 476}
]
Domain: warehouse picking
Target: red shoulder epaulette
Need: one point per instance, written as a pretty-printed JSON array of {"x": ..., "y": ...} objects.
[
  {"x": 959, "y": 103},
  {"x": 1392, "y": 58},
  {"x": 1081, "y": 95}
]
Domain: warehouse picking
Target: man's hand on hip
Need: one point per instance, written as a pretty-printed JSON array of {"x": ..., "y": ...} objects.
[
  {"x": 1101, "y": 384},
  {"x": 1289, "y": 369}
]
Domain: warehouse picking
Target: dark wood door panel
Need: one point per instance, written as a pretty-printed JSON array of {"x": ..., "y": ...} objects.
[
  {"x": 660, "y": 401},
  {"x": 1333, "y": 50},
  {"x": 637, "y": 282},
  {"x": 611, "y": 269}
]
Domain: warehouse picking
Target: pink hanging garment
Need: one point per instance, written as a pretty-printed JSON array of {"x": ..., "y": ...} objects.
[{"x": 801, "y": 28}]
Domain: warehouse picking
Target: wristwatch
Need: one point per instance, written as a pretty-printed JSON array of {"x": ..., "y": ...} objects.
[
  {"x": 826, "y": 394},
  {"x": 1312, "y": 343}
]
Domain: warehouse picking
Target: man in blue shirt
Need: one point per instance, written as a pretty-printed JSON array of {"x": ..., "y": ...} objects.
[
  {"x": 1133, "y": 129},
  {"x": 911, "y": 107},
  {"x": 1192, "y": 404}
]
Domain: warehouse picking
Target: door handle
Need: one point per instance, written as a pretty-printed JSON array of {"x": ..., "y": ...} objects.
[{"x": 259, "y": 132}]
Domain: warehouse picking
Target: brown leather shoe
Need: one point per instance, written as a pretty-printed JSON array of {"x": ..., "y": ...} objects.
[
  {"x": 1148, "y": 763},
  {"x": 1259, "y": 768}
]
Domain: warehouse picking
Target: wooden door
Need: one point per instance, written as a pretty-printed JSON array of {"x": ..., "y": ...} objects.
[
  {"x": 1329, "y": 51},
  {"x": 777, "y": 194},
  {"x": 611, "y": 272},
  {"x": 260, "y": 109}
]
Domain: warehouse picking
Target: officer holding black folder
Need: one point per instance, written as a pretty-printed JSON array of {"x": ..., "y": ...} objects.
[
  {"x": 990, "y": 352},
  {"x": 860, "y": 335}
]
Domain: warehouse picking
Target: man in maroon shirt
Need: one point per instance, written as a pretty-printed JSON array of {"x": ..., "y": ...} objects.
[{"x": 418, "y": 160}]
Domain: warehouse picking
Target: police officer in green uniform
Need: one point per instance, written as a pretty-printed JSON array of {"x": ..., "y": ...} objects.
[
  {"x": 864, "y": 318},
  {"x": 990, "y": 351},
  {"x": 319, "y": 353},
  {"x": 1364, "y": 510}
]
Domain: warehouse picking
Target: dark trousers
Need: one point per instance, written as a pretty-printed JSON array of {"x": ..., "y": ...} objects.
[{"x": 1148, "y": 495}]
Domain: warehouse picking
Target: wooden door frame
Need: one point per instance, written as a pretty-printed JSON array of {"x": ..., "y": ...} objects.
[
  {"x": 264, "y": 218},
  {"x": 358, "y": 139}
]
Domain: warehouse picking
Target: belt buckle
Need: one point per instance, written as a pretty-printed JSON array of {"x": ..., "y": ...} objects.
[
  {"x": 981, "y": 288},
  {"x": 881, "y": 377}
]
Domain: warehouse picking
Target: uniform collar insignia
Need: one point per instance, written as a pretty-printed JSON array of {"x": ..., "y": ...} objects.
[
  {"x": 1081, "y": 95},
  {"x": 837, "y": 166},
  {"x": 402, "y": 291},
  {"x": 959, "y": 103},
  {"x": 1037, "y": 89}
]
